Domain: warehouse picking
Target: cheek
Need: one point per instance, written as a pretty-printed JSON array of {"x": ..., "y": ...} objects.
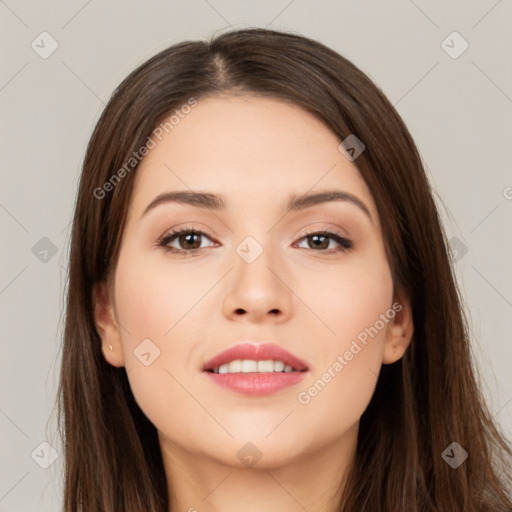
[
  {"x": 157, "y": 300},
  {"x": 346, "y": 300},
  {"x": 155, "y": 308},
  {"x": 353, "y": 305}
]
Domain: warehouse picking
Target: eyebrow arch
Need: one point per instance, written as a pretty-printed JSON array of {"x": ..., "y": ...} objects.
[
  {"x": 299, "y": 202},
  {"x": 307, "y": 200}
]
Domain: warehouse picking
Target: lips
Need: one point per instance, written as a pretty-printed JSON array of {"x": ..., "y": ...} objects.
[{"x": 261, "y": 352}]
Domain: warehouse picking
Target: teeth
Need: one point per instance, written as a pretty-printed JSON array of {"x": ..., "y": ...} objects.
[
  {"x": 251, "y": 366},
  {"x": 265, "y": 366},
  {"x": 278, "y": 366},
  {"x": 235, "y": 366}
]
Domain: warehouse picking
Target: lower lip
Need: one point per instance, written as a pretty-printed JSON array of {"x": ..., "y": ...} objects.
[{"x": 256, "y": 384}]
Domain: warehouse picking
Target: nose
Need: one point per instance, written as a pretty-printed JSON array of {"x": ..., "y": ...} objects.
[{"x": 258, "y": 291}]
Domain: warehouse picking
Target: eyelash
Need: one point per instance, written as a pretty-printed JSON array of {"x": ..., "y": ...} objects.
[{"x": 345, "y": 243}]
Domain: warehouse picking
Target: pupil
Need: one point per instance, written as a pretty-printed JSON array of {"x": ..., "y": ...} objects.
[
  {"x": 316, "y": 237},
  {"x": 187, "y": 236}
]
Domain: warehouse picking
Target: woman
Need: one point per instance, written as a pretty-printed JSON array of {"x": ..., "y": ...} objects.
[{"x": 308, "y": 350}]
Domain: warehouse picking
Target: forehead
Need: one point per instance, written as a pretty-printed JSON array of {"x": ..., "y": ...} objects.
[{"x": 247, "y": 148}]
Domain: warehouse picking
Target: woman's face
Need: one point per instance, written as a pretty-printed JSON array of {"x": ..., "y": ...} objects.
[{"x": 258, "y": 275}]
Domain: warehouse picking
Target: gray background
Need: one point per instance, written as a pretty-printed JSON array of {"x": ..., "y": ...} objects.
[{"x": 457, "y": 109}]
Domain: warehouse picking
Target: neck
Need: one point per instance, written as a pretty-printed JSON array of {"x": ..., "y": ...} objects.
[{"x": 311, "y": 480}]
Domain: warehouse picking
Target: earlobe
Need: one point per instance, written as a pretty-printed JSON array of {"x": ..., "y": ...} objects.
[
  {"x": 106, "y": 325},
  {"x": 399, "y": 333}
]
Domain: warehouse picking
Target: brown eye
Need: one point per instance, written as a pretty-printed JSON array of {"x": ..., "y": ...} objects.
[
  {"x": 319, "y": 241},
  {"x": 188, "y": 240}
]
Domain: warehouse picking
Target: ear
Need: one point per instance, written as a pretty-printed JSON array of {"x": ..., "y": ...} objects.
[
  {"x": 106, "y": 325},
  {"x": 399, "y": 331}
]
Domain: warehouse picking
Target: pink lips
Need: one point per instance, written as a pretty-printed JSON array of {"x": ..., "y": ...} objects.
[
  {"x": 257, "y": 353},
  {"x": 252, "y": 383}
]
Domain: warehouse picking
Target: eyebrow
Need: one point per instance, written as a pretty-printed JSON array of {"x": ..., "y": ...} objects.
[{"x": 299, "y": 202}]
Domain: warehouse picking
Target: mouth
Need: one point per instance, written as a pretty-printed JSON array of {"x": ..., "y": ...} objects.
[
  {"x": 251, "y": 358},
  {"x": 255, "y": 369}
]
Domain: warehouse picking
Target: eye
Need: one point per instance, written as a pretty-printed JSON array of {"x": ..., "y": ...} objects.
[
  {"x": 188, "y": 238},
  {"x": 320, "y": 241}
]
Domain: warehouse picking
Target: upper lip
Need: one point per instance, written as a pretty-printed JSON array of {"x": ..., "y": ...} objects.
[{"x": 260, "y": 352}]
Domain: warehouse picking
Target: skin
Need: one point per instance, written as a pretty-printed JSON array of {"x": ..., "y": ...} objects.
[{"x": 256, "y": 152}]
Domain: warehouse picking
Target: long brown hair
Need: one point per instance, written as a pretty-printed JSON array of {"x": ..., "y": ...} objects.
[{"x": 423, "y": 403}]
